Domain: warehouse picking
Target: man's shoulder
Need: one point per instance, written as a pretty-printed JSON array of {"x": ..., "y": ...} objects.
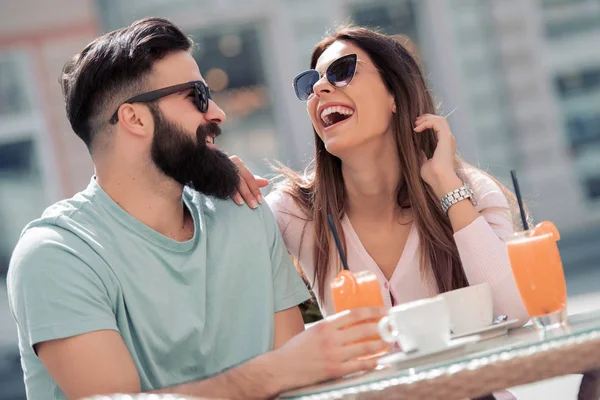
[
  {"x": 71, "y": 209},
  {"x": 227, "y": 209},
  {"x": 225, "y": 220},
  {"x": 46, "y": 252},
  {"x": 47, "y": 238},
  {"x": 60, "y": 229}
]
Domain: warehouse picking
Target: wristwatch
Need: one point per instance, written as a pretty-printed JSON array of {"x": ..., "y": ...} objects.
[{"x": 462, "y": 193}]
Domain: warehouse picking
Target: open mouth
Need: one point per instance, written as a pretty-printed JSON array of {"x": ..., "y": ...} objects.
[
  {"x": 210, "y": 139},
  {"x": 334, "y": 115}
]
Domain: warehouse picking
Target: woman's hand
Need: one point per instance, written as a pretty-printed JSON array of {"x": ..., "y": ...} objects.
[
  {"x": 438, "y": 171},
  {"x": 249, "y": 187}
]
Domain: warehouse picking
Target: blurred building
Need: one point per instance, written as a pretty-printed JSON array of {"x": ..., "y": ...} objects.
[{"x": 519, "y": 79}]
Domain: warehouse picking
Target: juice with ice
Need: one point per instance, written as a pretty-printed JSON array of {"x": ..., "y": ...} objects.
[
  {"x": 355, "y": 290},
  {"x": 538, "y": 270}
]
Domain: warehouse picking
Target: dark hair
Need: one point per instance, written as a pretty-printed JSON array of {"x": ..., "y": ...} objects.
[
  {"x": 112, "y": 69},
  {"x": 320, "y": 191}
]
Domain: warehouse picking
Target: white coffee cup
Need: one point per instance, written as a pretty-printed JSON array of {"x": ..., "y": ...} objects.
[
  {"x": 422, "y": 325},
  {"x": 471, "y": 308}
]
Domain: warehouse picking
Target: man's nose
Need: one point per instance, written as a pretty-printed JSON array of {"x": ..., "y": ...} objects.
[{"x": 214, "y": 113}]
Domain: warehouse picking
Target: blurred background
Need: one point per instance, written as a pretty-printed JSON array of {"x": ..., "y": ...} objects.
[{"x": 519, "y": 80}]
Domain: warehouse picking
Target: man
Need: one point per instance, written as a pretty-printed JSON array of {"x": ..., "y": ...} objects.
[{"x": 150, "y": 279}]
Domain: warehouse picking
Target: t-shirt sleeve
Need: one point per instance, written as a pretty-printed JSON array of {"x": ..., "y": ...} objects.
[
  {"x": 289, "y": 288},
  {"x": 53, "y": 290}
]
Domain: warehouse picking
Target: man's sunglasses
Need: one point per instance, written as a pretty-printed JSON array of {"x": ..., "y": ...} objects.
[
  {"x": 201, "y": 96},
  {"x": 339, "y": 74}
]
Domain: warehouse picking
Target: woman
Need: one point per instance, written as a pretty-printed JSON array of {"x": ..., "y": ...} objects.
[{"x": 385, "y": 168}]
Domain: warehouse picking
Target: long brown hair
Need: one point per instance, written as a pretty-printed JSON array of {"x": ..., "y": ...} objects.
[{"x": 320, "y": 191}]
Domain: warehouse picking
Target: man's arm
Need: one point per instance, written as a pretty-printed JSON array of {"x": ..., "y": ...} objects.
[
  {"x": 288, "y": 323},
  {"x": 289, "y": 290},
  {"x": 99, "y": 363},
  {"x": 92, "y": 363}
]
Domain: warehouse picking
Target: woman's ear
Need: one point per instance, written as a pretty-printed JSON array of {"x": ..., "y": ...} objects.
[{"x": 394, "y": 110}]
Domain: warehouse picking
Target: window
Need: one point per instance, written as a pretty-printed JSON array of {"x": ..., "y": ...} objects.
[
  {"x": 393, "y": 18},
  {"x": 230, "y": 58},
  {"x": 21, "y": 193},
  {"x": 583, "y": 130},
  {"x": 17, "y": 157},
  {"x": 577, "y": 83},
  {"x": 117, "y": 13},
  {"x": 570, "y": 17},
  {"x": 592, "y": 186},
  {"x": 22, "y": 189},
  {"x": 231, "y": 63},
  {"x": 561, "y": 3},
  {"x": 13, "y": 97},
  {"x": 572, "y": 26}
]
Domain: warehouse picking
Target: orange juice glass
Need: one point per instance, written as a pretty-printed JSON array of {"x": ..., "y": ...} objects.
[
  {"x": 539, "y": 275},
  {"x": 355, "y": 290}
]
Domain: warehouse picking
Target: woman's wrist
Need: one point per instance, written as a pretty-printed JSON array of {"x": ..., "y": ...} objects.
[{"x": 446, "y": 183}]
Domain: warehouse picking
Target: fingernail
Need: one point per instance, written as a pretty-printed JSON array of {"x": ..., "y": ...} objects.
[
  {"x": 260, "y": 198},
  {"x": 239, "y": 202},
  {"x": 253, "y": 203}
]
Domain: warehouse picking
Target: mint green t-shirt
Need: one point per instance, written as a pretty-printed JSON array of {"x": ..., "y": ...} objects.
[{"x": 185, "y": 310}]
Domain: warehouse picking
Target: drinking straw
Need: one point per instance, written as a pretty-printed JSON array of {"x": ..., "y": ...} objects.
[
  {"x": 513, "y": 174},
  {"x": 337, "y": 242}
]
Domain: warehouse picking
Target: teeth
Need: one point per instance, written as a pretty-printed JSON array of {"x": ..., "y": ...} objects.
[{"x": 334, "y": 109}]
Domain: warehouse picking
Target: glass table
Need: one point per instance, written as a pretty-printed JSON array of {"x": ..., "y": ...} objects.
[{"x": 519, "y": 357}]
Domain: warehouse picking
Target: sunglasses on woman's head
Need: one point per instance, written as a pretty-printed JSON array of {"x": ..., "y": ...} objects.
[
  {"x": 339, "y": 74},
  {"x": 201, "y": 96}
]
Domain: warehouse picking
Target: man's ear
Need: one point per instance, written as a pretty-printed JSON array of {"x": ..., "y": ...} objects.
[{"x": 136, "y": 118}]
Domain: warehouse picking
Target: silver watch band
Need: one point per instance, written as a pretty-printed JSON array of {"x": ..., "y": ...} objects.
[{"x": 462, "y": 193}]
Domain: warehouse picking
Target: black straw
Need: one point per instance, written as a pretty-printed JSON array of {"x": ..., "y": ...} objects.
[
  {"x": 337, "y": 242},
  {"x": 513, "y": 174}
]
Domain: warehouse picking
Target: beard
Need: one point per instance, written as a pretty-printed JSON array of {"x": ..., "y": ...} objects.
[{"x": 191, "y": 162}]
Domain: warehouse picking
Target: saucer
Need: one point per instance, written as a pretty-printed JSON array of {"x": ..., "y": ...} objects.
[
  {"x": 489, "y": 332},
  {"x": 402, "y": 361}
]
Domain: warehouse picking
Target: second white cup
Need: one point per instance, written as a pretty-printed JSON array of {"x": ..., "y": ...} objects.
[
  {"x": 471, "y": 308},
  {"x": 422, "y": 325}
]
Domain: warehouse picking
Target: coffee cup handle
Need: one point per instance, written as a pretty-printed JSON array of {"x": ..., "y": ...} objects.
[{"x": 384, "y": 330}]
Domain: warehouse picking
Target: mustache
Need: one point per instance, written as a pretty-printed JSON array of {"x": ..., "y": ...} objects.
[{"x": 209, "y": 129}]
